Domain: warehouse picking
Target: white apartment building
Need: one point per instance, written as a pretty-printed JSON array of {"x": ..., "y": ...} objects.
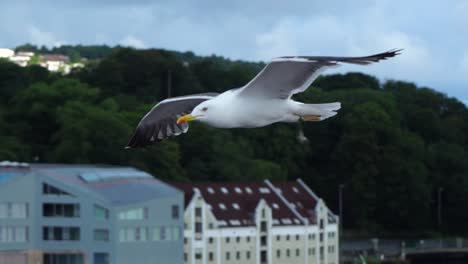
[
  {"x": 257, "y": 223},
  {"x": 6, "y": 53},
  {"x": 56, "y": 62}
]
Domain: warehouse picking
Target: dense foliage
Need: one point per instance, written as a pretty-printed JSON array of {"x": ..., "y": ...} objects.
[{"x": 393, "y": 144}]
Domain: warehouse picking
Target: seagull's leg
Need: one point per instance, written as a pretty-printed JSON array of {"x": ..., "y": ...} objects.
[{"x": 300, "y": 133}]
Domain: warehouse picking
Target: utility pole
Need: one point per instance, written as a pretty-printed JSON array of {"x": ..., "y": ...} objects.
[
  {"x": 340, "y": 219},
  {"x": 169, "y": 83},
  {"x": 340, "y": 205},
  {"x": 439, "y": 213},
  {"x": 439, "y": 207}
]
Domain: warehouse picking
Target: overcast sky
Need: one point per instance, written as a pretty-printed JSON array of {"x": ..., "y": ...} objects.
[{"x": 434, "y": 34}]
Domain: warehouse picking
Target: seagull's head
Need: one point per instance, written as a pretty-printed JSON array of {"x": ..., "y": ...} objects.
[{"x": 200, "y": 113}]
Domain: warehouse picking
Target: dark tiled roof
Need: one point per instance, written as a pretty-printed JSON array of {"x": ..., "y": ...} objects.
[
  {"x": 237, "y": 201},
  {"x": 55, "y": 57},
  {"x": 302, "y": 201}
]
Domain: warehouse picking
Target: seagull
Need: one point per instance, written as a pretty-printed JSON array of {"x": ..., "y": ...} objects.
[{"x": 265, "y": 100}]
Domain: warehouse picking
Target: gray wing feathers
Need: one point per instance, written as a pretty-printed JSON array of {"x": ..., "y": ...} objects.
[
  {"x": 285, "y": 76},
  {"x": 160, "y": 122}
]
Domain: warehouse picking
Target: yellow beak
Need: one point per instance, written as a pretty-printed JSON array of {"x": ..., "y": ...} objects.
[{"x": 185, "y": 118}]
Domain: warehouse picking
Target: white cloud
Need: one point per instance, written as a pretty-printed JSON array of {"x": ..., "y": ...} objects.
[
  {"x": 432, "y": 33},
  {"x": 131, "y": 41},
  {"x": 277, "y": 42},
  {"x": 41, "y": 37}
]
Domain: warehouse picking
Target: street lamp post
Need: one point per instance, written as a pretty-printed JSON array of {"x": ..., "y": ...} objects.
[
  {"x": 340, "y": 205},
  {"x": 439, "y": 213},
  {"x": 439, "y": 207},
  {"x": 340, "y": 219}
]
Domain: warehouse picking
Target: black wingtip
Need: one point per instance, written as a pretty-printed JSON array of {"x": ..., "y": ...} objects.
[{"x": 390, "y": 53}]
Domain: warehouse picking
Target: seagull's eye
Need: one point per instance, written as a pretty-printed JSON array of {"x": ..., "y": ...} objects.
[{"x": 204, "y": 109}]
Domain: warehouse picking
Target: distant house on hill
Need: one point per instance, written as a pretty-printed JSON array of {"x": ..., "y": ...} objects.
[
  {"x": 6, "y": 53},
  {"x": 21, "y": 60},
  {"x": 56, "y": 62}
]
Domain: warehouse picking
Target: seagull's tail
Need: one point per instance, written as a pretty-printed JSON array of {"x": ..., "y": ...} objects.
[{"x": 317, "y": 112}]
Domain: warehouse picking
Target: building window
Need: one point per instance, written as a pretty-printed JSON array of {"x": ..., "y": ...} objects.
[
  {"x": 133, "y": 214},
  {"x": 157, "y": 234},
  {"x": 51, "y": 190},
  {"x": 185, "y": 257},
  {"x": 278, "y": 253},
  {"x": 263, "y": 226},
  {"x": 238, "y": 255},
  {"x": 101, "y": 235},
  {"x": 198, "y": 255},
  {"x": 141, "y": 234},
  {"x": 198, "y": 227},
  {"x": 60, "y": 210},
  {"x": 263, "y": 256},
  {"x": 247, "y": 255},
  {"x": 210, "y": 225},
  {"x": 263, "y": 241},
  {"x": 237, "y": 239},
  {"x": 101, "y": 258},
  {"x": 210, "y": 256},
  {"x": 263, "y": 213},
  {"x": 175, "y": 212},
  {"x": 248, "y": 239},
  {"x": 321, "y": 237},
  {"x": 297, "y": 237},
  {"x": 297, "y": 252},
  {"x": 15, "y": 234},
  {"x": 14, "y": 210},
  {"x": 162, "y": 233},
  {"x": 58, "y": 233},
  {"x": 227, "y": 239},
  {"x": 3, "y": 210},
  {"x": 287, "y": 237},
  {"x": 100, "y": 212},
  {"x": 185, "y": 240},
  {"x": 278, "y": 238},
  {"x": 321, "y": 224},
  {"x": 210, "y": 240},
  {"x": 176, "y": 233},
  {"x": 198, "y": 212},
  {"x": 63, "y": 259},
  {"x": 288, "y": 253},
  {"x": 228, "y": 255},
  {"x": 131, "y": 234}
]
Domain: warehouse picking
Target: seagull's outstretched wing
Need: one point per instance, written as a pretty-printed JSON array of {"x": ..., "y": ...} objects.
[
  {"x": 160, "y": 122},
  {"x": 285, "y": 76}
]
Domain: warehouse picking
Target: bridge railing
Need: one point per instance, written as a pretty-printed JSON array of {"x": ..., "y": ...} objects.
[{"x": 400, "y": 246}]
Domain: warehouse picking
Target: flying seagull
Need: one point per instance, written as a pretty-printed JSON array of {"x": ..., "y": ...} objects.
[{"x": 266, "y": 99}]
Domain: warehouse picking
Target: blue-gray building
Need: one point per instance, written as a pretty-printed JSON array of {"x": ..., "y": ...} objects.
[{"x": 87, "y": 214}]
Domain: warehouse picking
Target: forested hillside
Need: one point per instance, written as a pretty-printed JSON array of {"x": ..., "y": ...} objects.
[{"x": 393, "y": 145}]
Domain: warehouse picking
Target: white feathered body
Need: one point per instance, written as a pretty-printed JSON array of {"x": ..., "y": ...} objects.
[{"x": 230, "y": 110}]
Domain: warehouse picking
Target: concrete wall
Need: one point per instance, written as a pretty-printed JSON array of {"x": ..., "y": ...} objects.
[{"x": 150, "y": 252}]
